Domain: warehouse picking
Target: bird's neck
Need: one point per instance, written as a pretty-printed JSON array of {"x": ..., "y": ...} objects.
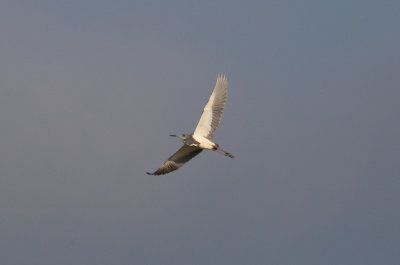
[{"x": 189, "y": 140}]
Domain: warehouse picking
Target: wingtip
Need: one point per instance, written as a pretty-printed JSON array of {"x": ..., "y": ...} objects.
[
  {"x": 148, "y": 173},
  {"x": 221, "y": 76}
]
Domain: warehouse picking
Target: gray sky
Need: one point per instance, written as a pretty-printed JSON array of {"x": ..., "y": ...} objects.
[{"x": 90, "y": 91}]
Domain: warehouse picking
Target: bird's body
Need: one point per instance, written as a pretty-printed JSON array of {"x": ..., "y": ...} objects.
[
  {"x": 204, "y": 143},
  {"x": 199, "y": 141},
  {"x": 202, "y": 135}
]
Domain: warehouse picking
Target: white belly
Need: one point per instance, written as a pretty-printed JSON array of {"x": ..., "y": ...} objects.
[{"x": 204, "y": 142}]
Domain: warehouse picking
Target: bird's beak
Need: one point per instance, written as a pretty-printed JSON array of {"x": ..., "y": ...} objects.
[{"x": 173, "y": 135}]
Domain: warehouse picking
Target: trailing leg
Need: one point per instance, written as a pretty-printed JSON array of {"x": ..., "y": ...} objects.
[{"x": 219, "y": 150}]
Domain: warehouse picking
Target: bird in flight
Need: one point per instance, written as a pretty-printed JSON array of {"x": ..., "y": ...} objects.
[{"x": 202, "y": 136}]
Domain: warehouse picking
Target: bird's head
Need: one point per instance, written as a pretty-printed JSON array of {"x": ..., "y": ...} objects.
[{"x": 181, "y": 136}]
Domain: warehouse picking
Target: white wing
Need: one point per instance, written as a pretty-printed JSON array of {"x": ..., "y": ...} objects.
[{"x": 212, "y": 112}]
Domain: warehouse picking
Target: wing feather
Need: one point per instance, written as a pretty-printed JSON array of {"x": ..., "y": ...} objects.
[
  {"x": 178, "y": 159},
  {"x": 212, "y": 112}
]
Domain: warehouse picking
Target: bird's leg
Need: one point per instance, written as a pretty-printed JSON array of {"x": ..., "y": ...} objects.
[{"x": 221, "y": 151}]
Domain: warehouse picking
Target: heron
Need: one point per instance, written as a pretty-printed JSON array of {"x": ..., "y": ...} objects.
[{"x": 202, "y": 136}]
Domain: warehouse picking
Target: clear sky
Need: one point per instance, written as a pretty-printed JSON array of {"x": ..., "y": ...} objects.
[{"x": 90, "y": 91}]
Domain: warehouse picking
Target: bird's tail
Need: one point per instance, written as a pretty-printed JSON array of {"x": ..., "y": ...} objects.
[{"x": 224, "y": 152}]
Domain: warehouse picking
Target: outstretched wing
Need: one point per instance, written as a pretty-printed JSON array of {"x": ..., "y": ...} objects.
[
  {"x": 212, "y": 112},
  {"x": 184, "y": 154}
]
